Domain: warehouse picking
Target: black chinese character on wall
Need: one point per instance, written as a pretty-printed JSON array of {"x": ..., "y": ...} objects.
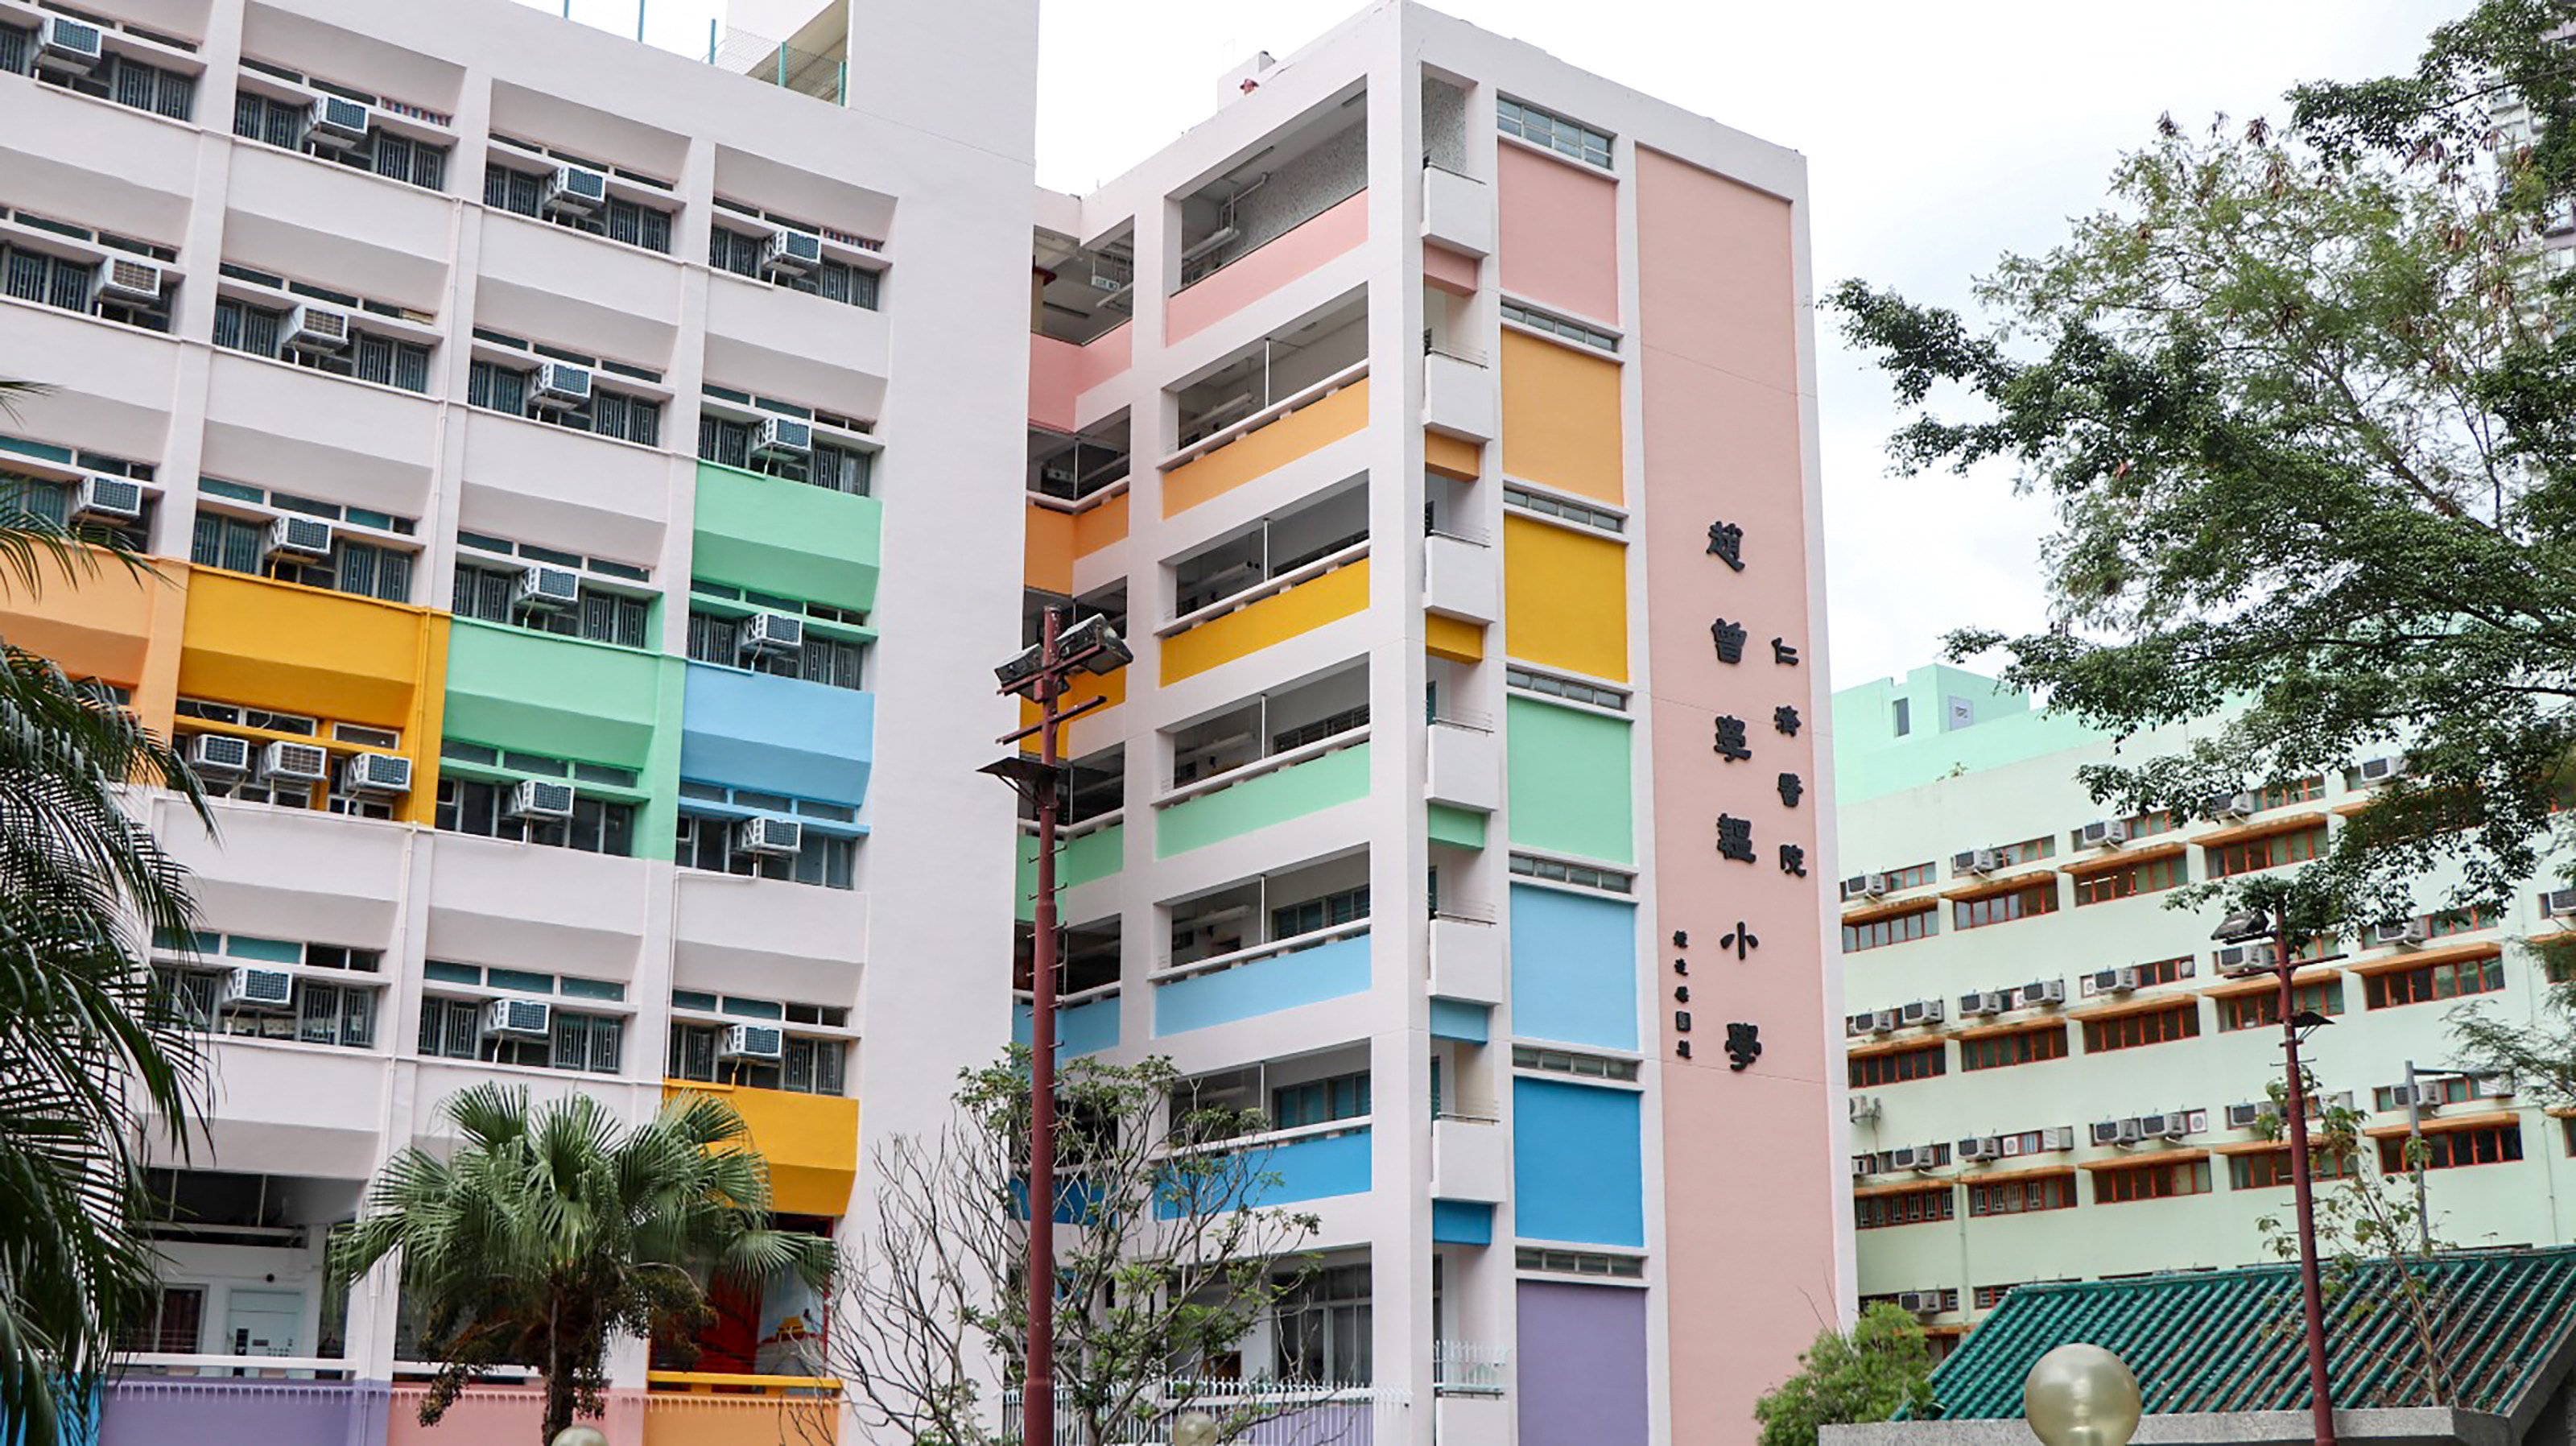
[
  {"x": 1791, "y": 789},
  {"x": 1735, "y": 838},
  {"x": 1730, "y": 744},
  {"x": 1784, "y": 652},
  {"x": 1729, "y": 638},
  {"x": 1726, "y": 544},
  {"x": 1743, "y": 1045},
  {"x": 1793, "y": 860},
  {"x": 1784, "y": 719}
]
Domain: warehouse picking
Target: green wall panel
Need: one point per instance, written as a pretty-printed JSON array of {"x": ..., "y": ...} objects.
[
  {"x": 1568, "y": 771},
  {"x": 1300, "y": 788},
  {"x": 1457, "y": 827},
  {"x": 784, "y": 537},
  {"x": 1095, "y": 855},
  {"x": 514, "y": 688}
]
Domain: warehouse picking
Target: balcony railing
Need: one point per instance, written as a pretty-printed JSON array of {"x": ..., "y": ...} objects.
[
  {"x": 1461, "y": 1369},
  {"x": 259, "y": 1368},
  {"x": 1294, "y": 402},
  {"x": 1308, "y": 1412},
  {"x": 1218, "y": 963}
]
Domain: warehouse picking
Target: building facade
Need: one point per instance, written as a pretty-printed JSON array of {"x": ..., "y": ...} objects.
[
  {"x": 2055, "y": 1078},
  {"x": 588, "y": 505}
]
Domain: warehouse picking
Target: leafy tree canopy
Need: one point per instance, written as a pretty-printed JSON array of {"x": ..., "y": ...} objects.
[{"x": 1883, "y": 1364}]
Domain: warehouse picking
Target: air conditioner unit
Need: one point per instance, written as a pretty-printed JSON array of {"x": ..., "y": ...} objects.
[
  {"x": 310, "y": 328},
  {"x": 518, "y": 1019},
  {"x": 536, "y": 798},
  {"x": 2115, "y": 981},
  {"x": 2106, "y": 1132},
  {"x": 338, "y": 123},
  {"x": 1922, "y": 1011},
  {"x": 2401, "y": 933},
  {"x": 771, "y": 634},
  {"x": 124, "y": 278},
  {"x": 543, "y": 589},
  {"x": 575, "y": 191},
  {"x": 1855, "y": 887},
  {"x": 1860, "y": 1024},
  {"x": 1977, "y": 861},
  {"x": 1863, "y": 1167},
  {"x": 2248, "y": 1116},
  {"x": 108, "y": 499},
  {"x": 1984, "y": 1004},
  {"x": 69, "y": 47},
  {"x": 777, "y": 837},
  {"x": 1979, "y": 1147},
  {"x": 2057, "y": 1137},
  {"x": 1863, "y": 1107},
  {"x": 558, "y": 386},
  {"x": 2239, "y": 961},
  {"x": 1906, "y": 1157},
  {"x": 2108, "y": 833},
  {"x": 1877, "y": 885},
  {"x": 2427, "y": 1098},
  {"x": 2043, "y": 991},
  {"x": 752, "y": 1041},
  {"x": 1922, "y": 1302},
  {"x": 1883, "y": 1022},
  {"x": 219, "y": 755},
  {"x": 2129, "y": 1131},
  {"x": 2558, "y": 904},
  {"x": 2379, "y": 770},
  {"x": 295, "y": 763},
  {"x": 261, "y": 989},
  {"x": 2229, "y": 805},
  {"x": 792, "y": 253},
  {"x": 2492, "y": 1086},
  {"x": 376, "y": 775},
  {"x": 783, "y": 439},
  {"x": 2170, "y": 1126},
  {"x": 297, "y": 536}
]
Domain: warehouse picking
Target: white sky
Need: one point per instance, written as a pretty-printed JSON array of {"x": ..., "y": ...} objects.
[{"x": 1937, "y": 137}]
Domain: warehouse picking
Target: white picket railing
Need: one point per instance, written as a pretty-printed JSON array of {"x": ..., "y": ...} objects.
[{"x": 1308, "y": 1413}]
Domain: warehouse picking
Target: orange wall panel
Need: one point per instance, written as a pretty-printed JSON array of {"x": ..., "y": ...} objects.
[
  {"x": 1453, "y": 456},
  {"x": 1097, "y": 527},
  {"x": 1325, "y": 420},
  {"x": 1561, "y": 418},
  {"x": 1050, "y": 550}
]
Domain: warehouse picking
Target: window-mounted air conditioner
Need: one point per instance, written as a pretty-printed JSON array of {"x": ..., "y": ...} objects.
[
  {"x": 792, "y": 253},
  {"x": 1985, "y": 1003},
  {"x": 558, "y": 386},
  {"x": 575, "y": 191},
  {"x": 128, "y": 278},
  {"x": 516, "y": 1018},
  {"x": 219, "y": 755},
  {"x": 2106, "y": 833},
  {"x": 772, "y": 837},
  {"x": 2240, "y": 961},
  {"x": 1979, "y": 1148},
  {"x": 1883, "y": 1022},
  {"x": 2115, "y": 981},
  {"x": 771, "y": 634},
  {"x": 1905, "y": 1157},
  {"x": 1863, "y": 1167},
  {"x": 2558, "y": 904},
  {"x": 2249, "y": 1116},
  {"x": 2229, "y": 805},
  {"x": 297, "y": 536},
  {"x": 752, "y": 1041},
  {"x": 260, "y": 989},
  {"x": 310, "y": 328},
  {"x": 2379, "y": 770},
  {"x": 544, "y": 589},
  {"x": 65, "y": 46},
  {"x": 376, "y": 775},
  {"x": 284, "y": 762},
  {"x": 1922, "y": 1011},
  {"x": 1863, "y": 1107},
  {"x": 108, "y": 499},
  {"x": 2040, "y": 992},
  {"x": 537, "y": 798},
  {"x": 1922, "y": 1302},
  {"x": 338, "y": 123},
  {"x": 783, "y": 439},
  {"x": 2057, "y": 1137},
  {"x": 2399, "y": 933}
]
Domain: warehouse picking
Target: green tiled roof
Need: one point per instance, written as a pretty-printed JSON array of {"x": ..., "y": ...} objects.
[{"x": 2231, "y": 1341}]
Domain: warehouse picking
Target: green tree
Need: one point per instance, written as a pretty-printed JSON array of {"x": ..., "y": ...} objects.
[
  {"x": 2306, "y": 407},
  {"x": 1883, "y": 1364},
  {"x": 550, "y": 1231},
  {"x": 1166, "y": 1260},
  {"x": 96, "y": 1062}
]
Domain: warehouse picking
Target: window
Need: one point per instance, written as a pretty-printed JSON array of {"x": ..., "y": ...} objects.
[
  {"x": 1558, "y": 326},
  {"x": 810, "y": 1066},
  {"x": 2001, "y": 1051},
  {"x": 1347, "y": 906},
  {"x": 2447, "y": 980},
  {"x": 1553, "y": 132},
  {"x": 2470, "y": 920},
  {"x": 2450, "y": 1090},
  {"x": 587, "y": 1043},
  {"x": 2020, "y": 1197},
  {"x": 2028, "y": 851},
  {"x": 2150, "y": 823},
  {"x": 599, "y": 615},
  {"x": 284, "y": 124},
  {"x": 2263, "y": 1169},
  {"x": 2290, "y": 791},
  {"x": 833, "y": 280},
  {"x": 2155, "y": 1180},
  {"x": 72, "y": 285},
  {"x": 467, "y": 805},
  {"x": 2147, "y": 876},
  {"x": 238, "y": 544},
  {"x": 2135, "y": 1031},
  {"x": 1906, "y": 1207},
  {"x": 1870, "y": 1071},
  {"x": 1321, "y": 1327},
  {"x": 619, "y": 219},
  {"x": 2162, "y": 971},
  {"x": 1599, "y": 519},
  {"x": 1904, "y": 716},
  {"x": 1330, "y": 725},
  {"x": 1579, "y": 1262},
  {"x": 318, "y": 1012},
  {"x": 1316, "y": 1102},
  {"x": 2025, "y": 903},
  {"x": 1894, "y": 929},
  {"x": 169, "y": 1323},
  {"x": 627, "y": 418},
  {"x": 117, "y": 77},
  {"x": 1914, "y": 877},
  {"x": 1551, "y": 686},
  {"x": 2452, "y": 1149},
  {"x": 52, "y": 501},
  {"x": 2262, "y": 1007},
  {"x": 369, "y": 357},
  {"x": 833, "y": 466},
  {"x": 823, "y": 658},
  {"x": 1582, "y": 876},
  {"x": 827, "y": 860},
  {"x": 2271, "y": 851},
  {"x": 1582, "y": 1066}
]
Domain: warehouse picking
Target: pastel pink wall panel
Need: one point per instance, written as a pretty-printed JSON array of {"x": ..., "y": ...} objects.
[
  {"x": 1559, "y": 241},
  {"x": 1451, "y": 271},
  {"x": 1337, "y": 229},
  {"x": 1750, "y": 1220}
]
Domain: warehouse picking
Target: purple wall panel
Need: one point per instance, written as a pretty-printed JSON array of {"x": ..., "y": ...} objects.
[
  {"x": 242, "y": 1413},
  {"x": 1582, "y": 1364}
]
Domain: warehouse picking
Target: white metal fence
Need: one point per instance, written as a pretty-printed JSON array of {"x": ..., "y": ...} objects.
[{"x": 1291, "y": 1413}]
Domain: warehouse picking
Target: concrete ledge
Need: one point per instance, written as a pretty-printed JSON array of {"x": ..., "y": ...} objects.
[{"x": 2405, "y": 1426}]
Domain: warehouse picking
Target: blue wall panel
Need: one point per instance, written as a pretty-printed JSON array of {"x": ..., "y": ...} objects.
[
  {"x": 1085, "y": 1028},
  {"x": 1283, "y": 981},
  {"x": 1460, "y": 1019},
  {"x": 1574, "y": 968},
  {"x": 1462, "y": 1222},
  {"x": 1308, "y": 1169},
  {"x": 777, "y": 735},
  {"x": 1578, "y": 1163}
]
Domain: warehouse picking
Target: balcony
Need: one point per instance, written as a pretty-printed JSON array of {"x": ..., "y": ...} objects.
[
  {"x": 766, "y": 939},
  {"x": 134, "y": 175},
  {"x": 1283, "y": 786},
  {"x": 515, "y": 687},
  {"x": 527, "y": 479},
  {"x": 144, "y": 1408},
  {"x": 1461, "y": 578},
  {"x": 787, "y": 537},
  {"x": 1466, "y": 763},
  {"x": 1466, "y": 955},
  {"x": 1315, "y": 1162},
  {"x": 1085, "y": 1023},
  {"x": 1250, "y": 275},
  {"x": 1458, "y": 395},
  {"x": 267, "y": 418},
  {"x": 1266, "y": 978},
  {"x": 307, "y": 216},
  {"x": 777, "y": 339},
  {"x": 334, "y": 655},
  {"x": 1294, "y": 603},
  {"x": 1095, "y": 853},
  {"x": 288, "y": 1109},
  {"x": 810, "y": 1141},
  {"x": 1470, "y": 1159},
  {"x": 1457, "y": 211},
  {"x": 99, "y": 623},
  {"x": 777, "y": 735},
  {"x": 1303, "y": 422},
  {"x": 541, "y": 279}
]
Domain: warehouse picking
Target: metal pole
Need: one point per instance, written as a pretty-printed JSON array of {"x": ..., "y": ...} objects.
[
  {"x": 639, "y": 19},
  {"x": 2415, "y": 1159},
  {"x": 1038, "y": 1391},
  {"x": 2311, "y": 1292}
]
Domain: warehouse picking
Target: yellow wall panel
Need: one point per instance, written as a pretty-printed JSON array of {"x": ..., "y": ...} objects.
[
  {"x": 1049, "y": 558},
  {"x": 250, "y": 640},
  {"x": 1561, "y": 418},
  {"x": 1097, "y": 527},
  {"x": 810, "y": 1141},
  {"x": 1565, "y": 598},
  {"x": 1453, "y": 456},
  {"x": 1111, "y": 687},
  {"x": 1320, "y": 422},
  {"x": 1456, "y": 639},
  {"x": 1248, "y": 629}
]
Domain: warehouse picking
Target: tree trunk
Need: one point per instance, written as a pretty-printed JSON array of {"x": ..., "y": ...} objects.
[{"x": 558, "y": 1396}]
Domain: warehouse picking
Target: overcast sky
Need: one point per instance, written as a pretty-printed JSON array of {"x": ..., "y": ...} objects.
[{"x": 1937, "y": 137}]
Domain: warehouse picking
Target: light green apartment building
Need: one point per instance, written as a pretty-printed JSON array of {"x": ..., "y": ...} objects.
[{"x": 2044, "y": 1061}]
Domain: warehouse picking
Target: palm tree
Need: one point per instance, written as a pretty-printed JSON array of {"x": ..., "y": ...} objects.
[
  {"x": 548, "y": 1232},
  {"x": 92, "y": 1051}
]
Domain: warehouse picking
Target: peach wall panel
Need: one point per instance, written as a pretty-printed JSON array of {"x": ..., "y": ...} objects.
[
  {"x": 1336, "y": 229},
  {"x": 1055, "y": 377},
  {"x": 1449, "y": 270},
  {"x": 1560, "y": 233},
  {"x": 1719, "y": 338}
]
